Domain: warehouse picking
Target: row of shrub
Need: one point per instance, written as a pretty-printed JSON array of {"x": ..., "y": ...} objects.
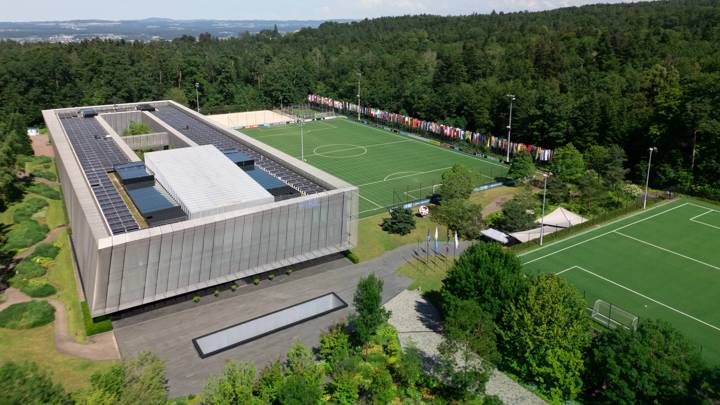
[{"x": 27, "y": 273}]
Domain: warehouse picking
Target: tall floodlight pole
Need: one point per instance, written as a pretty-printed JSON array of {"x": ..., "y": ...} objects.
[
  {"x": 647, "y": 178},
  {"x": 542, "y": 218},
  {"x": 358, "y": 95},
  {"x": 302, "y": 141},
  {"x": 197, "y": 96},
  {"x": 509, "y": 127}
]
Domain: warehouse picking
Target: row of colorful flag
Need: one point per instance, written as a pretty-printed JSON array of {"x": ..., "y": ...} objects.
[{"x": 495, "y": 143}]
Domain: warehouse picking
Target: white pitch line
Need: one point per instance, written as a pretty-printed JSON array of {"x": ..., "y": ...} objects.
[
  {"x": 706, "y": 224},
  {"x": 704, "y": 213},
  {"x": 667, "y": 250},
  {"x": 371, "y": 201},
  {"x": 563, "y": 271},
  {"x": 402, "y": 177},
  {"x": 601, "y": 235},
  {"x": 649, "y": 299}
]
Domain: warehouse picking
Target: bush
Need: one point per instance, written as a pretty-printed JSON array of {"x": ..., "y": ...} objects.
[
  {"x": 44, "y": 190},
  {"x": 401, "y": 221},
  {"x": 196, "y": 299},
  {"x": 334, "y": 346},
  {"x": 47, "y": 174},
  {"x": 93, "y": 326},
  {"x": 28, "y": 269},
  {"x": 289, "y": 271},
  {"x": 137, "y": 128},
  {"x": 25, "y": 210},
  {"x": 271, "y": 276},
  {"x": 352, "y": 256},
  {"x": 27, "y": 315},
  {"x": 216, "y": 293},
  {"x": 233, "y": 286},
  {"x": 25, "y": 383},
  {"x": 256, "y": 281},
  {"x": 38, "y": 288},
  {"x": 25, "y": 234},
  {"x": 45, "y": 250}
]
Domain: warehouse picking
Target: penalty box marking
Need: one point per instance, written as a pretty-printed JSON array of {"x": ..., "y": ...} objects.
[{"x": 641, "y": 295}]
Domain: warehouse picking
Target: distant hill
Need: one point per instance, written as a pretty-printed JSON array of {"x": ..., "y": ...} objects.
[{"x": 149, "y": 29}]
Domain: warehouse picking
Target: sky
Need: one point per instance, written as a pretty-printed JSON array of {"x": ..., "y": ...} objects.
[{"x": 53, "y": 10}]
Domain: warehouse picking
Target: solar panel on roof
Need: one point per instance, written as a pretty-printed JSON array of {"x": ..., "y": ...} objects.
[
  {"x": 204, "y": 134},
  {"x": 98, "y": 155}
]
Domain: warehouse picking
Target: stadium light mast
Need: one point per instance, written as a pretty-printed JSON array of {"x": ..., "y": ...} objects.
[
  {"x": 647, "y": 178},
  {"x": 197, "y": 96},
  {"x": 509, "y": 126},
  {"x": 302, "y": 141},
  {"x": 358, "y": 94},
  {"x": 542, "y": 218}
]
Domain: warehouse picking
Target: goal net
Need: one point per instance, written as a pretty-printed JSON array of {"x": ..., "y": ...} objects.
[{"x": 613, "y": 316}]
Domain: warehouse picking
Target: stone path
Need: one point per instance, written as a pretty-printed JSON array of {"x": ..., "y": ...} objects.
[
  {"x": 98, "y": 347},
  {"x": 41, "y": 146},
  {"x": 418, "y": 322}
]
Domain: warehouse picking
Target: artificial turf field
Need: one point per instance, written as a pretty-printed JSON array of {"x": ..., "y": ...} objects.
[
  {"x": 386, "y": 167},
  {"x": 663, "y": 262}
]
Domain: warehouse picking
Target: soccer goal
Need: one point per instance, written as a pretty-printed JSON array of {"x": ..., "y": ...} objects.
[{"x": 613, "y": 316}]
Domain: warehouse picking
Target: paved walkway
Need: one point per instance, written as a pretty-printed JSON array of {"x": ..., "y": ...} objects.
[
  {"x": 98, "y": 347},
  {"x": 418, "y": 321},
  {"x": 170, "y": 335}
]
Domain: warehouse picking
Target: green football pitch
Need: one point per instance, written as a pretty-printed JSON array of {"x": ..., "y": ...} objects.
[
  {"x": 387, "y": 167},
  {"x": 663, "y": 262}
]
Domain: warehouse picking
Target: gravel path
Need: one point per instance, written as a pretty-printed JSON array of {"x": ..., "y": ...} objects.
[{"x": 418, "y": 321}]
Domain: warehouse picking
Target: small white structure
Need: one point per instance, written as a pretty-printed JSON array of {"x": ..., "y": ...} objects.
[
  {"x": 204, "y": 181},
  {"x": 33, "y": 131},
  {"x": 555, "y": 221},
  {"x": 496, "y": 235}
]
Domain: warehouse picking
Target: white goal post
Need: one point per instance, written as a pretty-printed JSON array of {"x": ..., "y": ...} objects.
[{"x": 613, "y": 316}]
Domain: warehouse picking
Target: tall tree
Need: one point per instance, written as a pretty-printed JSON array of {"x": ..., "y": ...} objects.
[
  {"x": 457, "y": 183},
  {"x": 544, "y": 334},
  {"x": 369, "y": 312}
]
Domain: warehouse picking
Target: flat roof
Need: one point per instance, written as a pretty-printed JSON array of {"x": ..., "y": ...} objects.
[
  {"x": 150, "y": 198},
  {"x": 204, "y": 181}
]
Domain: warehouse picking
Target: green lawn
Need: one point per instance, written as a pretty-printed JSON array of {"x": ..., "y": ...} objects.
[
  {"x": 660, "y": 263},
  {"x": 426, "y": 274},
  {"x": 388, "y": 168}
]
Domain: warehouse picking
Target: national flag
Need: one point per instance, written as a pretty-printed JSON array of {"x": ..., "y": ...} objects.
[
  {"x": 437, "y": 243},
  {"x": 457, "y": 242},
  {"x": 428, "y": 234}
]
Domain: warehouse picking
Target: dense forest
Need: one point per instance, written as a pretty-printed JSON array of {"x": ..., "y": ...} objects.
[{"x": 635, "y": 75}]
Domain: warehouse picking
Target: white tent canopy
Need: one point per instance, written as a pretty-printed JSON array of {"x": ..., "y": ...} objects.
[
  {"x": 562, "y": 218},
  {"x": 553, "y": 222},
  {"x": 496, "y": 235}
]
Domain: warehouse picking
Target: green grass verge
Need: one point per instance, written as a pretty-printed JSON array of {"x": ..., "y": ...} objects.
[
  {"x": 46, "y": 174},
  {"x": 426, "y": 276},
  {"x": 93, "y": 326},
  {"x": 38, "y": 345},
  {"x": 24, "y": 211},
  {"x": 62, "y": 275},
  {"x": 27, "y": 315}
]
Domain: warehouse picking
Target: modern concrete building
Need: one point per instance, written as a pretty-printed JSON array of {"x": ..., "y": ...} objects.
[{"x": 209, "y": 205}]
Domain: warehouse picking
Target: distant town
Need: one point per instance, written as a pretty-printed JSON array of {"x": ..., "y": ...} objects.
[{"x": 146, "y": 30}]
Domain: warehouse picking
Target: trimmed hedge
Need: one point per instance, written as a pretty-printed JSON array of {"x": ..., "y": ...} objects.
[
  {"x": 27, "y": 268},
  {"x": 27, "y": 315},
  {"x": 44, "y": 190},
  {"x": 352, "y": 256},
  {"x": 97, "y": 325},
  {"x": 25, "y": 234},
  {"x": 25, "y": 210},
  {"x": 38, "y": 288}
]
